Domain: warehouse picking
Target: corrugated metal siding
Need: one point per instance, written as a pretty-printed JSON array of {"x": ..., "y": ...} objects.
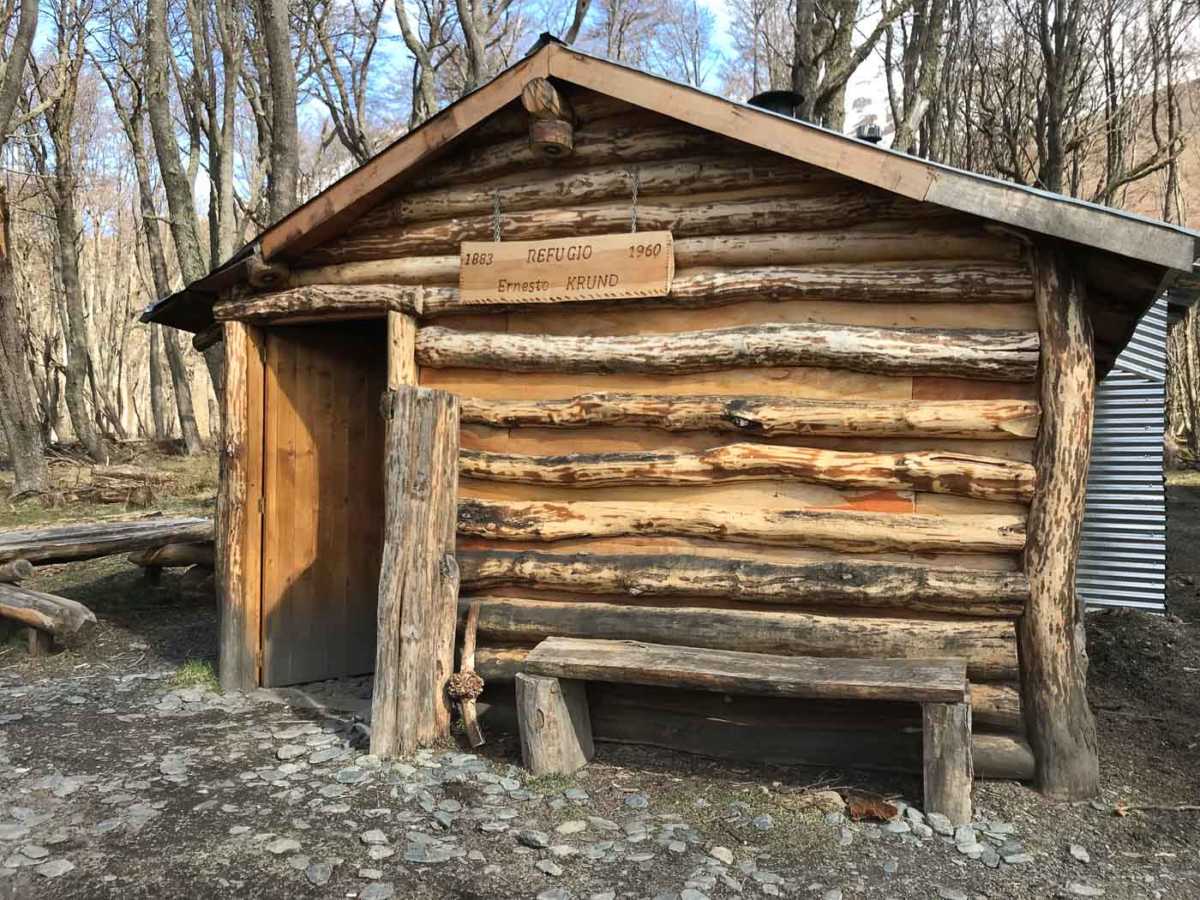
[{"x": 1123, "y": 556}]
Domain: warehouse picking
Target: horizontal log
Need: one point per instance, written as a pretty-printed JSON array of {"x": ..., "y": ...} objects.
[
  {"x": 992, "y": 703},
  {"x": 935, "y": 472},
  {"x": 547, "y": 186},
  {"x": 859, "y": 532},
  {"x": 54, "y": 615},
  {"x": 767, "y": 416},
  {"x": 988, "y": 645},
  {"x": 873, "y": 243},
  {"x": 998, "y": 355},
  {"x": 175, "y": 556},
  {"x": 16, "y": 570},
  {"x": 782, "y": 209},
  {"x": 913, "y": 282},
  {"x": 760, "y": 674},
  {"x": 1002, "y": 756},
  {"x": 88, "y": 540},
  {"x": 867, "y": 585},
  {"x": 334, "y": 300}
]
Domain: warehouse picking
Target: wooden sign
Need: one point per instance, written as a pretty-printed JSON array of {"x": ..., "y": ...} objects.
[{"x": 600, "y": 267}]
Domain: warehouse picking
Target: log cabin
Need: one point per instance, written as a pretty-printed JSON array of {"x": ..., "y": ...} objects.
[{"x": 810, "y": 397}]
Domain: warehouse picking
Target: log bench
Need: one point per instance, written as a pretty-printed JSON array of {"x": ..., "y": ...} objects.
[{"x": 555, "y": 726}]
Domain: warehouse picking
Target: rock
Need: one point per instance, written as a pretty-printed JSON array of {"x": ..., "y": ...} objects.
[
  {"x": 1017, "y": 859},
  {"x": 692, "y": 894},
  {"x": 350, "y": 775},
  {"x": 722, "y": 854},
  {"x": 319, "y": 873},
  {"x": 990, "y": 858},
  {"x": 576, "y": 795},
  {"x": 35, "y": 851},
  {"x": 299, "y": 862},
  {"x": 832, "y": 894},
  {"x": 940, "y": 824},
  {"x": 54, "y": 868},
  {"x": 823, "y": 801},
  {"x": 370, "y": 874},
  {"x": 379, "y": 852},
  {"x": 538, "y": 840},
  {"x": 427, "y": 853},
  {"x": 380, "y": 890},
  {"x": 950, "y": 893},
  {"x": 763, "y": 822},
  {"x": 896, "y": 826},
  {"x": 891, "y": 867},
  {"x": 280, "y": 846},
  {"x": 555, "y": 893},
  {"x": 637, "y": 801},
  {"x": 1079, "y": 852},
  {"x": 1079, "y": 889},
  {"x": 964, "y": 834},
  {"x": 372, "y": 837},
  {"x": 290, "y": 751},
  {"x": 549, "y": 867}
]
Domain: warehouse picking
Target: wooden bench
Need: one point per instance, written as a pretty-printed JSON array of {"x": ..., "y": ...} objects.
[{"x": 555, "y": 726}]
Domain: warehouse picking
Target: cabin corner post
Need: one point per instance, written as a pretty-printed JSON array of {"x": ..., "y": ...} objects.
[
  {"x": 1051, "y": 638},
  {"x": 239, "y": 508},
  {"x": 418, "y": 577}
]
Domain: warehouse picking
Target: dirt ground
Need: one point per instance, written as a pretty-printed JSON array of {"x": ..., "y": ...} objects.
[{"x": 123, "y": 774}]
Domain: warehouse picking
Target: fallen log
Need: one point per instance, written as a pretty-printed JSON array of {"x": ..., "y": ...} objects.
[
  {"x": 17, "y": 570},
  {"x": 46, "y": 612},
  {"x": 767, "y": 416},
  {"x": 88, "y": 540},
  {"x": 855, "y": 532},
  {"x": 996, "y": 354},
  {"x": 174, "y": 556},
  {"x": 869, "y": 585},
  {"x": 992, "y": 703},
  {"x": 938, "y": 472},
  {"x": 988, "y": 645}
]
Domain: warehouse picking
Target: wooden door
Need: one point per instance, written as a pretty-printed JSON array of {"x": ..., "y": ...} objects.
[{"x": 323, "y": 496}]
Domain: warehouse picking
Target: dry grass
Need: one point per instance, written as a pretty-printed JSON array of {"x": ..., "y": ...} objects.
[{"x": 192, "y": 489}]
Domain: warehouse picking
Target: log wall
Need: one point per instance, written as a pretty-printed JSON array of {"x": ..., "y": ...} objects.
[{"x": 823, "y": 440}]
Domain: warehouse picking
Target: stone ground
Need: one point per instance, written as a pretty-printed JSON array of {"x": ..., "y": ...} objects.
[{"x": 123, "y": 775}]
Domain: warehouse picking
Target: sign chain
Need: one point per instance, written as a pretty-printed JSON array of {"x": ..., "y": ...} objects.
[
  {"x": 633, "y": 212},
  {"x": 496, "y": 216}
]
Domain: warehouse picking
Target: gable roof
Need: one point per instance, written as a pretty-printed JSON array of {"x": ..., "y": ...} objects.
[{"x": 1112, "y": 232}]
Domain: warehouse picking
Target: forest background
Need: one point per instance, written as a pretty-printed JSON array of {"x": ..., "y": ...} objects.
[{"x": 142, "y": 142}]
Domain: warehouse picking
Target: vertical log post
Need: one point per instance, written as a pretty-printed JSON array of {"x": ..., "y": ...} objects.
[
  {"x": 418, "y": 577},
  {"x": 239, "y": 509},
  {"x": 554, "y": 723},
  {"x": 1051, "y": 635},
  {"x": 401, "y": 350},
  {"x": 949, "y": 771}
]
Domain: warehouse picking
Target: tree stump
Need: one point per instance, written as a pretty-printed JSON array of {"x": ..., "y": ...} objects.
[{"x": 949, "y": 771}]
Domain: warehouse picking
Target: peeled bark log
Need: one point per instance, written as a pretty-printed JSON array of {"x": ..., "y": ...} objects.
[
  {"x": 332, "y": 300},
  {"x": 17, "y": 570},
  {"x": 856, "y": 532},
  {"x": 782, "y": 210},
  {"x": 867, "y": 585},
  {"x": 873, "y": 243},
  {"x": 767, "y": 416},
  {"x": 67, "y": 543},
  {"x": 54, "y": 615},
  {"x": 418, "y": 578},
  {"x": 935, "y": 472},
  {"x": 988, "y": 645},
  {"x": 999, "y": 355},
  {"x": 175, "y": 556},
  {"x": 1061, "y": 728}
]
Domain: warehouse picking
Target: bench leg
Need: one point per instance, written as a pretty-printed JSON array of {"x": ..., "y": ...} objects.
[
  {"x": 949, "y": 770},
  {"x": 556, "y": 729}
]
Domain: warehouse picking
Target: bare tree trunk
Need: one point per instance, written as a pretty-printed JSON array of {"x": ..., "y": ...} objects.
[
  {"x": 78, "y": 356},
  {"x": 18, "y": 419},
  {"x": 158, "y": 398},
  {"x": 285, "y": 139}
]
